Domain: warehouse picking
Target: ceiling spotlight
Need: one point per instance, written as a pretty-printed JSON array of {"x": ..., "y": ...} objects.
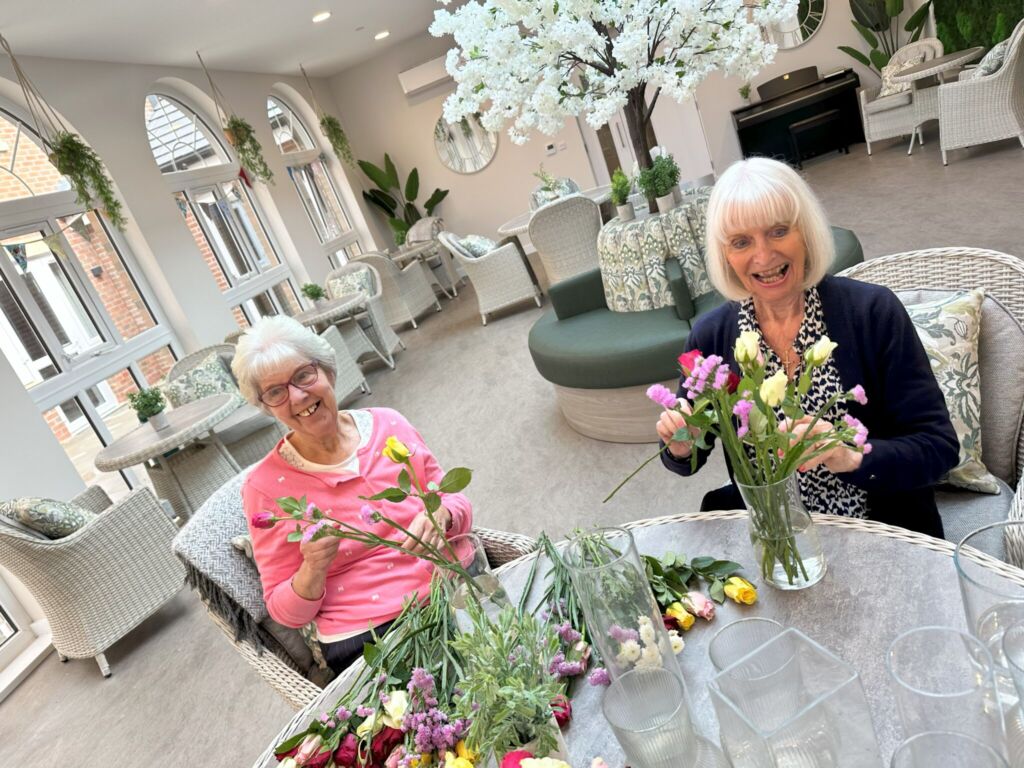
[
  {"x": 322, "y": 16},
  {"x": 381, "y": 35}
]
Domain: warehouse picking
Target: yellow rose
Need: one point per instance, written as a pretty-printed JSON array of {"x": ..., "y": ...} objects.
[
  {"x": 394, "y": 710},
  {"x": 451, "y": 760},
  {"x": 463, "y": 751},
  {"x": 396, "y": 450},
  {"x": 820, "y": 351},
  {"x": 369, "y": 725},
  {"x": 683, "y": 617},
  {"x": 740, "y": 590},
  {"x": 747, "y": 347},
  {"x": 773, "y": 389}
]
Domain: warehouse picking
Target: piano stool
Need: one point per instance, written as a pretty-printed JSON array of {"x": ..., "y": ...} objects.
[{"x": 827, "y": 126}]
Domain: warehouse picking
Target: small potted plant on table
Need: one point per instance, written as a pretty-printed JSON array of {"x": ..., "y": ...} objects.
[
  {"x": 621, "y": 187},
  {"x": 658, "y": 180},
  {"x": 149, "y": 407},
  {"x": 314, "y": 293}
]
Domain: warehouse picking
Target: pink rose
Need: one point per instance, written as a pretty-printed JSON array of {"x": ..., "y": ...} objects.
[
  {"x": 697, "y": 604},
  {"x": 393, "y": 759},
  {"x": 688, "y": 360},
  {"x": 512, "y": 759},
  {"x": 263, "y": 520}
]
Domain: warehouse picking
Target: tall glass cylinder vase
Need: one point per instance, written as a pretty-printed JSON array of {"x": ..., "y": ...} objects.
[
  {"x": 782, "y": 533},
  {"x": 485, "y": 588}
]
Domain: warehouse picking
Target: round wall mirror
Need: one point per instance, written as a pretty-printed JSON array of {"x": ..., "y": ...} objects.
[
  {"x": 797, "y": 30},
  {"x": 465, "y": 146}
]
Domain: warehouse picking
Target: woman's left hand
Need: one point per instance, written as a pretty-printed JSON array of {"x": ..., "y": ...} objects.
[
  {"x": 422, "y": 528},
  {"x": 838, "y": 459}
]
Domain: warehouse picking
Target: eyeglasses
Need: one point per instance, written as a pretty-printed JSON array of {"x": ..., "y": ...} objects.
[{"x": 303, "y": 378}]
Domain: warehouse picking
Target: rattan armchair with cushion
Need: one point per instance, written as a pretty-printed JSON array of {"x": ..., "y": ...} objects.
[
  {"x": 100, "y": 582},
  {"x": 406, "y": 292},
  {"x": 984, "y": 108},
  {"x": 499, "y": 277},
  {"x": 367, "y": 335},
  {"x": 348, "y": 376},
  {"x": 229, "y": 585},
  {"x": 564, "y": 232}
]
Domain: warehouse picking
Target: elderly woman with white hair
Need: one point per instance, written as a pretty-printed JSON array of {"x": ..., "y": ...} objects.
[
  {"x": 333, "y": 458},
  {"x": 769, "y": 248}
]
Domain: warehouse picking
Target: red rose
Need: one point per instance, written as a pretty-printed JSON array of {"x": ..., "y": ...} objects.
[
  {"x": 688, "y": 360},
  {"x": 513, "y": 758},
  {"x": 669, "y": 622},
  {"x": 346, "y": 753},
  {"x": 734, "y": 381},
  {"x": 561, "y": 708},
  {"x": 385, "y": 741},
  {"x": 318, "y": 760}
]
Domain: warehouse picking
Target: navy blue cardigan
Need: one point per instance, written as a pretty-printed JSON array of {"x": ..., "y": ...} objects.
[{"x": 909, "y": 428}]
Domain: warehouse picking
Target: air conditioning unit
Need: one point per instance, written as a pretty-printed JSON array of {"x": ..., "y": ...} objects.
[{"x": 424, "y": 76}]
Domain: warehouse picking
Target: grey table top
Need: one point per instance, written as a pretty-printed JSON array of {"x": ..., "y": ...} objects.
[
  {"x": 521, "y": 223},
  {"x": 185, "y": 424},
  {"x": 405, "y": 255},
  {"x": 332, "y": 310},
  {"x": 939, "y": 64},
  {"x": 881, "y": 581}
]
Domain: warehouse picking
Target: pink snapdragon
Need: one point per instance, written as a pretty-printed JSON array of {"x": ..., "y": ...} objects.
[
  {"x": 858, "y": 394},
  {"x": 312, "y": 530},
  {"x": 662, "y": 395},
  {"x": 861, "y": 436}
]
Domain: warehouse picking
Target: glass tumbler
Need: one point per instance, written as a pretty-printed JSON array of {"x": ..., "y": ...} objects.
[
  {"x": 943, "y": 681},
  {"x": 734, "y": 641},
  {"x": 948, "y": 750},
  {"x": 793, "y": 703}
]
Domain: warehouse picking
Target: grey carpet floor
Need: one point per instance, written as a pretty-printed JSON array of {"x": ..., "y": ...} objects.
[{"x": 180, "y": 694}]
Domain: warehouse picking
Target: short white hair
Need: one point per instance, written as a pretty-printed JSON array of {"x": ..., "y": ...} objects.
[
  {"x": 760, "y": 192},
  {"x": 270, "y": 343}
]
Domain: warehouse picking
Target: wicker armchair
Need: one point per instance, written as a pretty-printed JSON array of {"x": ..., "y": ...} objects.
[
  {"x": 349, "y": 377},
  {"x": 499, "y": 277},
  {"x": 1002, "y": 336},
  {"x": 367, "y": 335},
  {"x": 564, "y": 232},
  {"x": 229, "y": 585},
  {"x": 446, "y": 275},
  {"x": 98, "y": 584},
  {"x": 985, "y": 108},
  {"x": 898, "y": 114},
  {"x": 406, "y": 292}
]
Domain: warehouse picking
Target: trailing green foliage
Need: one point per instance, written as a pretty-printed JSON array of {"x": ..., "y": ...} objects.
[
  {"x": 395, "y": 200},
  {"x": 966, "y": 23},
  {"x": 338, "y": 140},
  {"x": 877, "y": 22},
  {"x": 621, "y": 187},
  {"x": 658, "y": 180},
  {"x": 74, "y": 159},
  {"x": 146, "y": 402},
  {"x": 312, "y": 291},
  {"x": 247, "y": 146}
]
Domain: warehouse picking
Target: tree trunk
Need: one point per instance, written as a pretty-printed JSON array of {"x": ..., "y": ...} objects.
[{"x": 635, "y": 111}]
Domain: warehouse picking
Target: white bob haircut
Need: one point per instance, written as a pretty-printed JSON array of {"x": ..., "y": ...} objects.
[
  {"x": 757, "y": 193},
  {"x": 270, "y": 343}
]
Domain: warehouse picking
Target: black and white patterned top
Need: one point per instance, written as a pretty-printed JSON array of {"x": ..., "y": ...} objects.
[{"x": 822, "y": 491}]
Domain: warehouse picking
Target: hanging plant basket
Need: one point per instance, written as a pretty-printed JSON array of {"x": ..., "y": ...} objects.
[{"x": 331, "y": 127}]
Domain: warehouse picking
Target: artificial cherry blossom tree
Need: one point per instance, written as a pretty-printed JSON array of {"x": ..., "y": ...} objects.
[{"x": 535, "y": 63}]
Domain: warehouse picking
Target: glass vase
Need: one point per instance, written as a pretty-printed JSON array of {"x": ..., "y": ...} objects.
[
  {"x": 623, "y": 619},
  {"x": 785, "y": 542},
  {"x": 486, "y": 589}
]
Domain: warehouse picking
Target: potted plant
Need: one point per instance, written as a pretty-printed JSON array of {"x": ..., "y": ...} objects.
[
  {"x": 149, "y": 407},
  {"x": 621, "y": 187},
  {"x": 397, "y": 201},
  {"x": 242, "y": 137},
  {"x": 658, "y": 180},
  {"x": 313, "y": 292}
]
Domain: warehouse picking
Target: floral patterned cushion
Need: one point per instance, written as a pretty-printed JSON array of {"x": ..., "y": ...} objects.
[
  {"x": 889, "y": 71},
  {"x": 477, "y": 245},
  {"x": 949, "y": 328},
  {"x": 356, "y": 281},
  {"x": 562, "y": 188},
  {"x": 54, "y": 519},
  {"x": 210, "y": 377},
  {"x": 994, "y": 59}
]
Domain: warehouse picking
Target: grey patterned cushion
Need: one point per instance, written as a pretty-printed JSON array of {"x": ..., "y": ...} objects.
[
  {"x": 477, "y": 245},
  {"x": 891, "y": 70},
  {"x": 424, "y": 230},
  {"x": 54, "y": 519},
  {"x": 356, "y": 281},
  {"x": 210, "y": 377},
  {"x": 562, "y": 188},
  {"x": 950, "y": 328},
  {"x": 994, "y": 59}
]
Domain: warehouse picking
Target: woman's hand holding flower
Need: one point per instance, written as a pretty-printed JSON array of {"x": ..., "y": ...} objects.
[
  {"x": 422, "y": 528},
  {"x": 317, "y": 556},
  {"x": 672, "y": 421},
  {"x": 840, "y": 458}
]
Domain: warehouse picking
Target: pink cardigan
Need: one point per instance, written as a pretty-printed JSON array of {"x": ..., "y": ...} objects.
[{"x": 365, "y": 586}]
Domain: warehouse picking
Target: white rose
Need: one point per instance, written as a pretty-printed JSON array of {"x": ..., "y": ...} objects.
[
  {"x": 820, "y": 351},
  {"x": 773, "y": 389},
  {"x": 747, "y": 346},
  {"x": 394, "y": 710}
]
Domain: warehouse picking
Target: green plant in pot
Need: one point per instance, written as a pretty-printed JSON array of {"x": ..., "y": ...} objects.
[
  {"x": 622, "y": 186},
  {"x": 313, "y": 292},
  {"x": 877, "y": 22},
  {"x": 658, "y": 181},
  {"x": 76, "y": 160},
  {"x": 395, "y": 200},
  {"x": 149, "y": 406},
  {"x": 250, "y": 153},
  {"x": 337, "y": 138}
]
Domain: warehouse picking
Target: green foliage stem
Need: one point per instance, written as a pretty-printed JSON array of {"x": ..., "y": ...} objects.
[{"x": 74, "y": 159}]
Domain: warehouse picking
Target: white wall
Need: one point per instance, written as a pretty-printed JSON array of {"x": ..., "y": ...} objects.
[{"x": 379, "y": 118}]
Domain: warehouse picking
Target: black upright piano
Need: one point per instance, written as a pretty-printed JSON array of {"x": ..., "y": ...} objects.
[{"x": 801, "y": 98}]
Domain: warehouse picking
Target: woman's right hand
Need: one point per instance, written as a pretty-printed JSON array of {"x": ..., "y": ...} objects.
[
  {"x": 317, "y": 556},
  {"x": 668, "y": 424}
]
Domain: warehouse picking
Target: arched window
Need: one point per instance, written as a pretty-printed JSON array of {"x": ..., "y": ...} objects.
[
  {"x": 77, "y": 321},
  {"x": 307, "y": 171},
  {"x": 219, "y": 211}
]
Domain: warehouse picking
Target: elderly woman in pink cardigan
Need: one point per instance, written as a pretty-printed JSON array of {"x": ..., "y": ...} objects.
[{"x": 333, "y": 458}]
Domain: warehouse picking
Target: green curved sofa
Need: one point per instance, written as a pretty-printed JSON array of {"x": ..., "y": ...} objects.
[{"x": 581, "y": 346}]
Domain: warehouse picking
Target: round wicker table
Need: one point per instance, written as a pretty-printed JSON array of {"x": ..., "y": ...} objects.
[
  {"x": 521, "y": 223},
  {"x": 939, "y": 65},
  {"x": 881, "y": 581},
  {"x": 331, "y": 311}
]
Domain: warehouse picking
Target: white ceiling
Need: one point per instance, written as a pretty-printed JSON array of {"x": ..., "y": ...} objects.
[{"x": 271, "y": 36}]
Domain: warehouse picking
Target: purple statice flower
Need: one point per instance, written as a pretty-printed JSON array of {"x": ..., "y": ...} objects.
[
  {"x": 704, "y": 369},
  {"x": 858, "y": 394},
  {"x": 621, "y": 634},
  {"x": 867, "y": 448},
  {"x": 421, "y": 681},
  {"x": 662, "y": 395},
  {"x": 331, "y": 724},
  {"x": 312, "y": 530},
  {"x": 555, "y": 662},
  {"x": 324, "y": 717},
  {"x": 342, "y": 713},
  {"x": 384, "y": 698},
  {"x": 861, "y": 436},
  {"x": 362, "y": 711},
  {"x": 599, "y": 677},
  {"x": 368, "y": 515},
  {"x": 742, "y": 411},
  {"x": 568, "y": 669},
  {"x": 721, "y": 376},
  {"x": 545, "y": 614},
  {"x": 569, "y": 635},
  {"x": 310, "y": 507}
]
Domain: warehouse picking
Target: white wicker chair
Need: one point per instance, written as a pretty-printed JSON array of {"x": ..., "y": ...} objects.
[
  {"x": 499, "y": 277},
  {"x": 564, "y": 232},
  {"x": 367, "y": 335},
  {"x": 98, "y": 584},
  {"x": 1002, "y": 278},
  {"x": 985, "y": 108},
  {"x": 349, "y": 377},
  {"x": 445, "y": 273},
  {"x": 406, "y": 292},
  {"x": 898, "y": 114}
]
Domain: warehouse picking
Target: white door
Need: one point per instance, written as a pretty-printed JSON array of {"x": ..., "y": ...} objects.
[{"x": 608, "y": 147}]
